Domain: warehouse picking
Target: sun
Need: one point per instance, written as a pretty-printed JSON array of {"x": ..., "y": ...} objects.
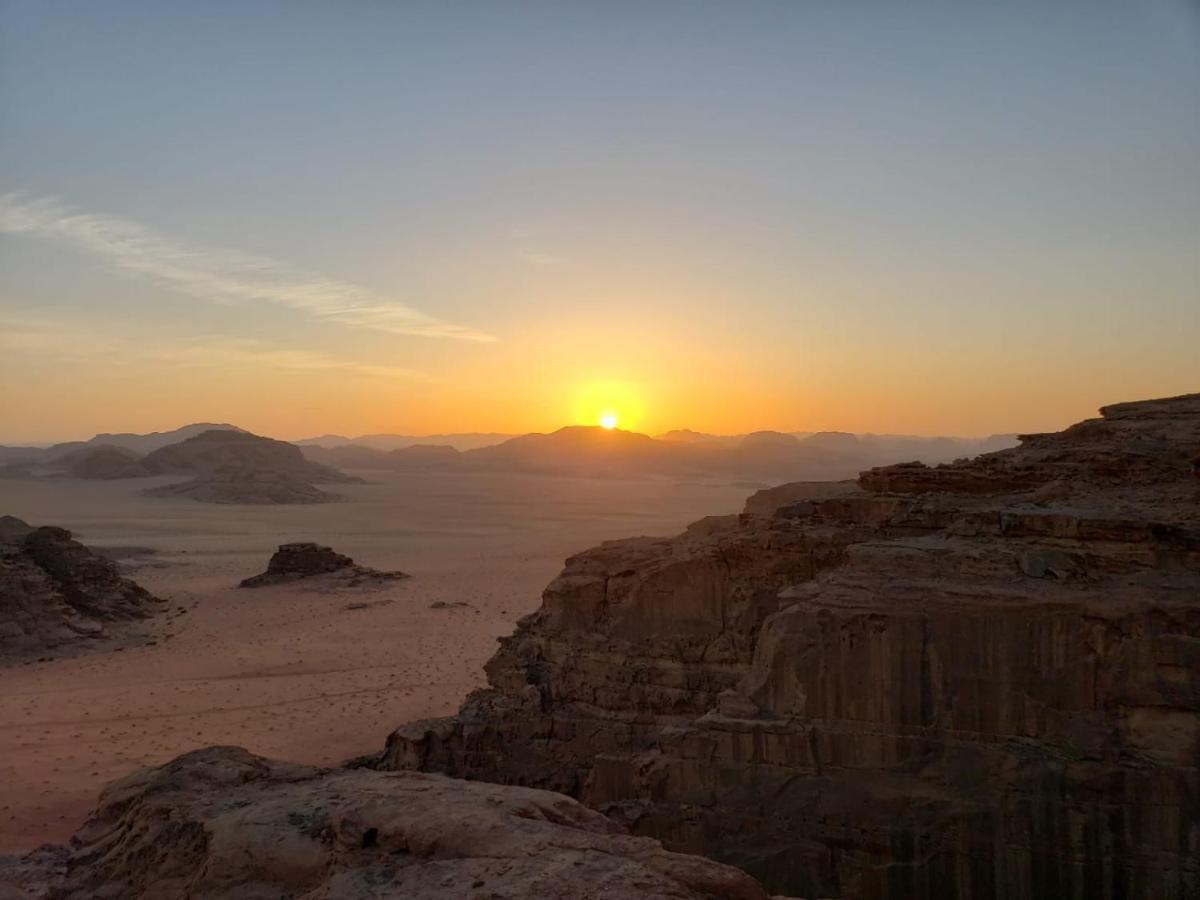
[{"x": 608, "y": 420}]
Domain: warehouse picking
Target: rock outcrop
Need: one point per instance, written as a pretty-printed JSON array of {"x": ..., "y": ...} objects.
[
  {"x": 221, "y": 450},
  {"x": 979, "y": 680},
  {"x": 292, "y": 562},
  {"x": 222, "y": 824},
  {"x": 239, "y": 467},
  {"x": 57, "y": 594}
]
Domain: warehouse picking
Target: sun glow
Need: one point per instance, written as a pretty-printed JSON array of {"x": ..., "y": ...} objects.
[{"x": 608, "y": 403}]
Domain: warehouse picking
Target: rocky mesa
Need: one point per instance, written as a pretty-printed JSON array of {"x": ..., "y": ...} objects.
[{"x": 979, "y": 679}]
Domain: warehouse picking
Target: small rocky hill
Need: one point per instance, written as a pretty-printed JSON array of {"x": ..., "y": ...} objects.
[
  {"x": 56, "y": 594},
  {"x": 221, "y": 450},
  {"x": 239, "y": 467},
  {"x": 299, "y": 561}
]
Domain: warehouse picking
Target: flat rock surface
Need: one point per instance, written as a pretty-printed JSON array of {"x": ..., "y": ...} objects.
[{"x": 221, "y": 823}]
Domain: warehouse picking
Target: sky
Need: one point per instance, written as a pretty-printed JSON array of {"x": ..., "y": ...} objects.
[{"x": 308, "y": 218}]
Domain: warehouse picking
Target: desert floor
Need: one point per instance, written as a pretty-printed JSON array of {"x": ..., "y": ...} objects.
[{"x": 289, "y": 671}]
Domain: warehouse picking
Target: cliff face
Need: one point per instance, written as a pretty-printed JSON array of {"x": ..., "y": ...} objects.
[{"x": 975, "y": 680}]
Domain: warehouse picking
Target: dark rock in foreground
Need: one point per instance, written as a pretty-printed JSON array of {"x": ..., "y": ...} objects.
[
  {"x": 292, "y": 562},
  {"x": 975, "y": 680},
  {"x": 56, "y": 593},
  {"x": 223, "y": 824}
]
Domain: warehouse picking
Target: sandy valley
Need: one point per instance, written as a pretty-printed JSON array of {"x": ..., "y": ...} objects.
[{"x": 291, "y": 671}]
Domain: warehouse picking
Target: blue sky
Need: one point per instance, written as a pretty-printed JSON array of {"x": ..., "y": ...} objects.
[{"x": 446, "y": 216}]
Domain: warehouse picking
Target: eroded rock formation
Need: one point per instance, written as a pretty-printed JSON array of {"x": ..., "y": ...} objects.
[
  {"x": 239, "y": 467},
  {"x": 975, "y": 680},
  {"x": 292, "y": 562},
  {"x": 56, "y": 593},
  {"x": 223, "y": 824}
]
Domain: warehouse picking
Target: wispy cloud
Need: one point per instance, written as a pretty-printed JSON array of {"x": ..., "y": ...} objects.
[
  {"x": 216, "y": 275},
  {"x": 47, "y": 339}
]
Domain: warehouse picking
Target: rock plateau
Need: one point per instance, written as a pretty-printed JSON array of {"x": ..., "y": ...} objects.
[
  {"x": 221, "y": 824},
  {"x": 975, "y": 680}
]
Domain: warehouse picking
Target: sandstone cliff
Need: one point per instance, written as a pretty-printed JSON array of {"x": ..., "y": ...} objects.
[
  {"x": 222, "y": 824},
  {"x": 975, "y": 680}
]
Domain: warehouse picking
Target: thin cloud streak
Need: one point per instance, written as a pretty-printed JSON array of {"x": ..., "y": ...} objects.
[
  {"x": 217, "y": 275},
  {"x": 49, "y": 340}
]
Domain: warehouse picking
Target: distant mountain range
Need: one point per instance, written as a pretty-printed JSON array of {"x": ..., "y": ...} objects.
[
  {"x": 139, "y": 444},
  {"x": 590, "y": 450},
  {"x": 574, "y": 450},
  {"x": 225, "y": 464},
  {"x": 464, "y": 441}
]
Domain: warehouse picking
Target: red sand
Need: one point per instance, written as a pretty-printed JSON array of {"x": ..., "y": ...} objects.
[{"x": 289, "y": 671}]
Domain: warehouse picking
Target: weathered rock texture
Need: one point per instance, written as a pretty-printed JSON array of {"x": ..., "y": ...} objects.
[
  {"x": 292, "y": 562},
  {"x": 222, "y": 824},
  {"x": 980, "y": 680},
  {"x": 55, "y": 593}
]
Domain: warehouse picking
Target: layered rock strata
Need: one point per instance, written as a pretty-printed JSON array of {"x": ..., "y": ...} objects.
[{"x": 980, "y": 679}]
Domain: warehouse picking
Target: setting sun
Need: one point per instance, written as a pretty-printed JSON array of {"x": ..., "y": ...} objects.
[{"x": 608, "y": 420}]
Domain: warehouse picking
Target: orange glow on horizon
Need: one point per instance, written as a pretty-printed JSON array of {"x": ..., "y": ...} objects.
[{"x": 608, "y": 403}]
